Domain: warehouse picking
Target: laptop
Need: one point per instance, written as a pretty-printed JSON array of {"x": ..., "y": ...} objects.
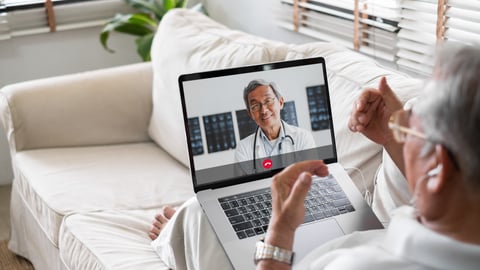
[{"x": 235, "y": 193}]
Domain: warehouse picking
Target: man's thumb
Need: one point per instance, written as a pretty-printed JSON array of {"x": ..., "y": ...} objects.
[
  {"x": 388, "y": 95},
  {"x": 384, "y": 87}
]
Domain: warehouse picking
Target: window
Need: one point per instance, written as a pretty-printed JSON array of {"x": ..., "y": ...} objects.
[
  {"x": 402, "y": 32},
  {"x": 21, "y": 17}
]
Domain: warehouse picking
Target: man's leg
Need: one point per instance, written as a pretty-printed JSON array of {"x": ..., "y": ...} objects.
[{"x": 189, "y": 242}]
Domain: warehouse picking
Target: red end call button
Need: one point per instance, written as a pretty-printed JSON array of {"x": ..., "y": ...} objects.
[{"x": 267, "y": 163}]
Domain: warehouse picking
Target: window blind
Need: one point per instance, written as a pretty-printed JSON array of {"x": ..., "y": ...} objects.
[
  {"x": 369, "y": 26},
  {"x": 404, "y": 32},
  {"x": 417, "y": 35},
  {"x": 19, "y": 18},
  {"x": 462, "y": 21}
]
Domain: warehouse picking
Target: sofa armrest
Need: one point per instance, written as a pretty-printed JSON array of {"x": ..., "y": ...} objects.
[{"x": 106, "y": 106}]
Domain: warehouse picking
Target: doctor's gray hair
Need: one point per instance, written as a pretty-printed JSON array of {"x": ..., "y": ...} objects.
[
  {"x": 256, "y": 83},
  {"x": 450, "y": 107}
]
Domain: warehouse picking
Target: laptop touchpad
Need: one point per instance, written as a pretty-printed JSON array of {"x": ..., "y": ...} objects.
[{"x": 311, "y": 236}]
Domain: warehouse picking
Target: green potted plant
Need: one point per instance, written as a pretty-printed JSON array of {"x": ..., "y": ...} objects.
[{"x": 142, "y": 24}]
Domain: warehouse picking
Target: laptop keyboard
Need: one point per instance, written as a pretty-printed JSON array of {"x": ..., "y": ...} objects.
[{"x": 249, "y": 213}]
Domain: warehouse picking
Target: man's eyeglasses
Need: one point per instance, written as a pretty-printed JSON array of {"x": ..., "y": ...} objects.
[
  {"x": 399, "y": 122},
  {"x": 267, "y": 102}
]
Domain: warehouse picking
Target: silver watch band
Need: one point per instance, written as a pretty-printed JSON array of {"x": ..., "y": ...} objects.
[{"x": 266, "y": 251}]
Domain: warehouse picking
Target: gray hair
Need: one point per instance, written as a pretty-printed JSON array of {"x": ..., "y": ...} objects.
[
  {"x": 449, "y": 107},
  {"x": 256, "y": 83}
]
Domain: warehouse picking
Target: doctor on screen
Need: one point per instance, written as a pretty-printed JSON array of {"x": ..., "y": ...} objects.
[{"x": 273, "y": 136}]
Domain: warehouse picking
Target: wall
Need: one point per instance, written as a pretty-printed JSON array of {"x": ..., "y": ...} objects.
[
  {"x": 252, "y": 16},
  {"x": 43, "y": 55}
]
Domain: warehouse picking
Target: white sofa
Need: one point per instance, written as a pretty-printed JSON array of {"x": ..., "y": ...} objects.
[{"x": 96, "y": 154}]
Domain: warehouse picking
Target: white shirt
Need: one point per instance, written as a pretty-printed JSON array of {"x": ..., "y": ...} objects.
[
  {"x": 300, "y": 139},
  {"x": 189, "y": 242},
  {"x": 406, "y": 244}
]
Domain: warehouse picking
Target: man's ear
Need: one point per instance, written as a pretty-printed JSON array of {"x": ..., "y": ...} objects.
[
  {"x": 438, "y": 176},
  {"x": 282, "y": 101}
]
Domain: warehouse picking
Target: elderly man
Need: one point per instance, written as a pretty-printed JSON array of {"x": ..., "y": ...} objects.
[
  {"x": 273, "y": 136},
  {"x": 435, "y": 145}
]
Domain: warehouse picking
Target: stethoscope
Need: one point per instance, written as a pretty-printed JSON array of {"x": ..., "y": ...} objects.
[{"x": 279, "y": 144}]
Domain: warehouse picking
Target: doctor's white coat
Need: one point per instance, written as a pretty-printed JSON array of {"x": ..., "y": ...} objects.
[{"x": 302, "y": 139}]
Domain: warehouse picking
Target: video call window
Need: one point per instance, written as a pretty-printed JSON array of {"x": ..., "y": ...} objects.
[
  {"x": 247, "y": 126},
  {"x": 195, "y": 136},
  {"x": 219, "y": 132},
  {"x": 317, "y": 105}
]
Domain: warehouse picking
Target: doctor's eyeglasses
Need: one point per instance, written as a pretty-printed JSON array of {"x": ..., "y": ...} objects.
[
  {"x": 267, "y": 102},
  {"x": 399, "y": 124}
]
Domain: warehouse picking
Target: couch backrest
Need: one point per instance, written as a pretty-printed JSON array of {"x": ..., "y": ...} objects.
[
  {"x": 188, "y": 41},
  {"x": 99, "y": 107}
]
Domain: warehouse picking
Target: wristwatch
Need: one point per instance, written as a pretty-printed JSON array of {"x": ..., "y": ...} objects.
[{"x": 266, "y": 251}]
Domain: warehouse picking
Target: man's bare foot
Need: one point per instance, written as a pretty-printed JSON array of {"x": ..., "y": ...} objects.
[{"x": 160, "y": 221}]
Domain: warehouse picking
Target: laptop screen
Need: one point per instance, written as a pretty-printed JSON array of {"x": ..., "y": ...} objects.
[{"x": 250, "y": 122}]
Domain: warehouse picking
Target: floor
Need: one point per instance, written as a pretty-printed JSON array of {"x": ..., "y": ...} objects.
[{"x": 5, "y": 211}]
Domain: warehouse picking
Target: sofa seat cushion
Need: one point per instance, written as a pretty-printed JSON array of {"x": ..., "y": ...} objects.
[
  {"x": 59, "y": 181},
  {"x": 114, "y": 239}
]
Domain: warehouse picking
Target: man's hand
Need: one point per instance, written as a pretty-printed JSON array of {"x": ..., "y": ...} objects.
[
  {"x": 372, "y": 110},
  {"x": 289, "y": 189}
]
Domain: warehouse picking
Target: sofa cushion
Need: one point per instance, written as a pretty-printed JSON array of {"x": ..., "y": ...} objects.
[
  {"x": 188, "y": 41},
  {"x": 59, "y": 181}
]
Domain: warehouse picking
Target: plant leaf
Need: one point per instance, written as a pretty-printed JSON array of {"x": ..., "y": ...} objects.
[
  {"x": 144, "y": 25},
  {"x": 169, "y": 4},
  {"x": 138, "y": 24},
  {"x": 103, "y": 40},
  {"x": 181, "y": 4},
  {"x": 151, "y": 7},
  {"x": 144, "y": 46},
  {"x": 133, "y": 29},
  {"x": 143, "y": 19}
]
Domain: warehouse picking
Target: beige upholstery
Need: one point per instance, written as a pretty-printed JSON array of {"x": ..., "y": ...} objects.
[
  {"x": 96, "y": 154},
  {"x": 41, "y": 114}
]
